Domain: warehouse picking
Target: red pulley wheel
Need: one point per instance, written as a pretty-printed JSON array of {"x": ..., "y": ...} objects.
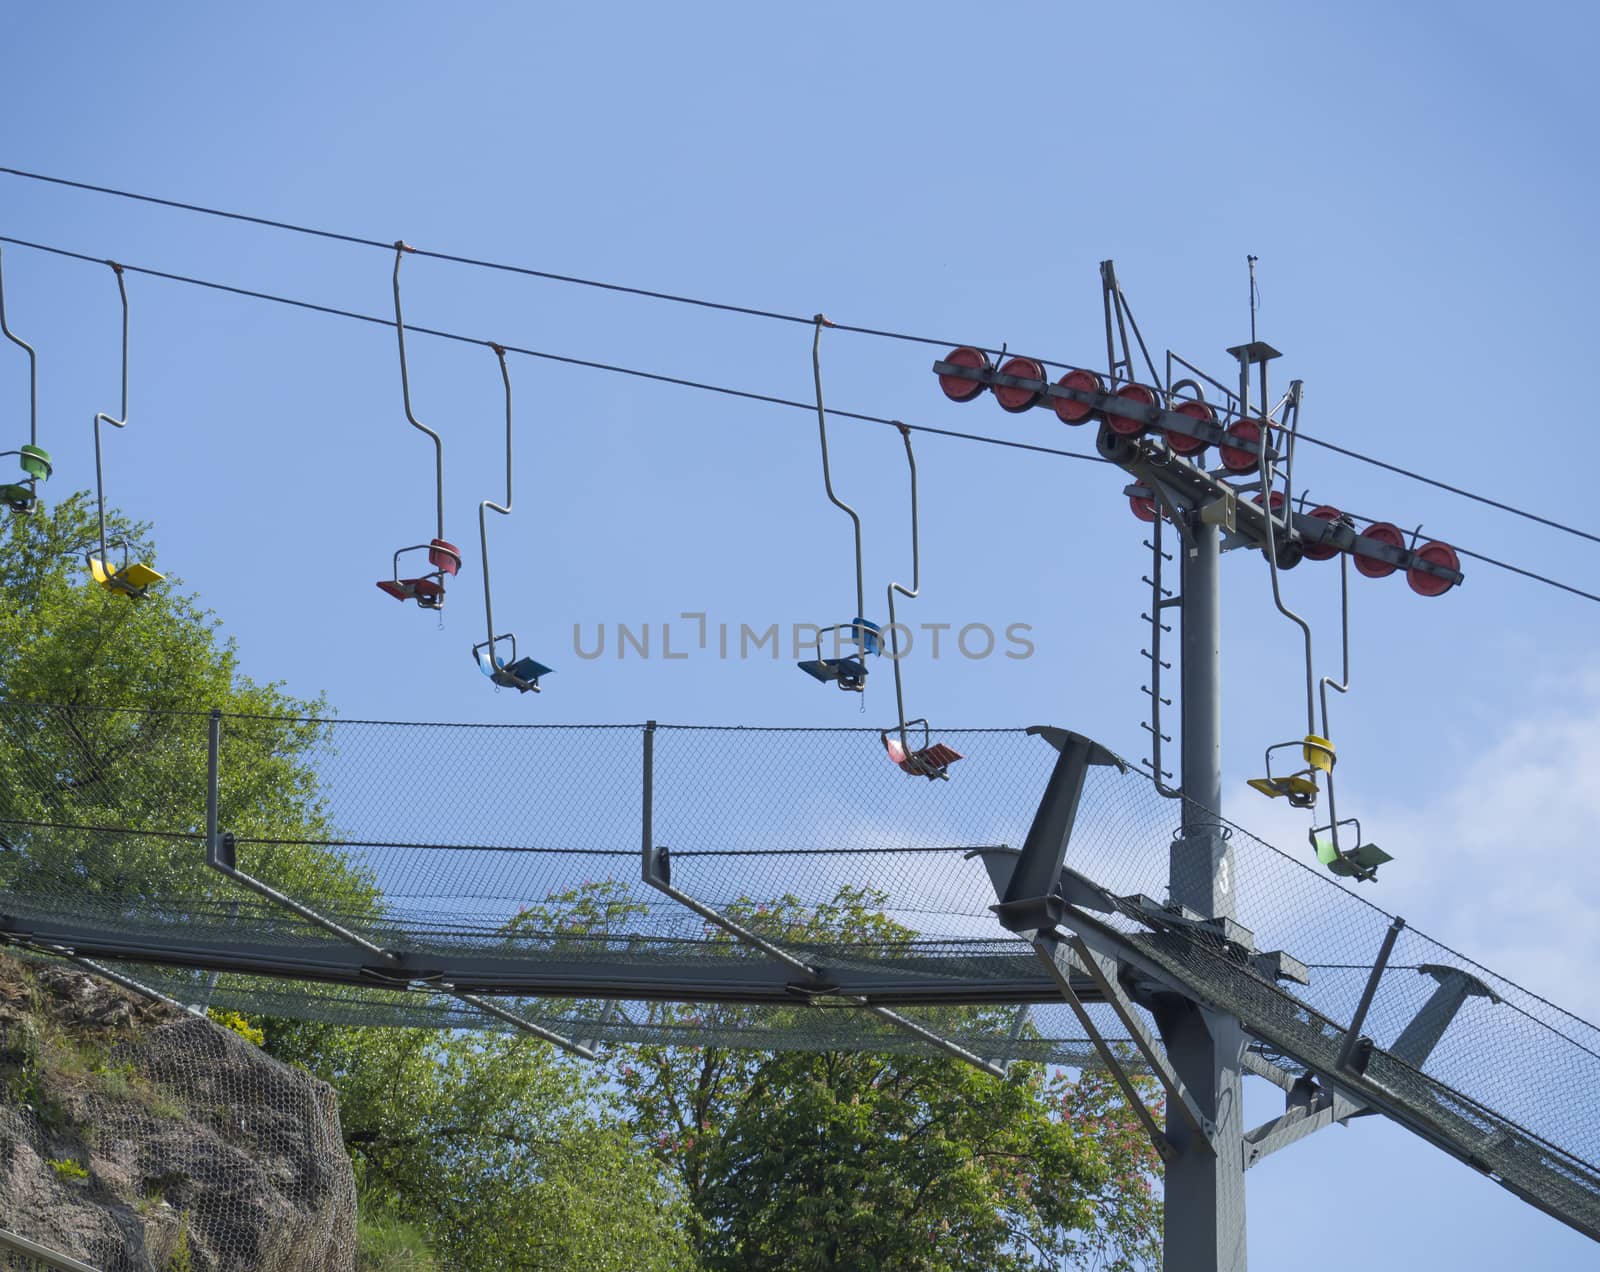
[
  {"x": 1143, "y": 507},
  {"x": 1277, "y": 500},
  {"x": 960, "y": 390},
  {"x": 1383, "y": 532},
  {"x": 1070, "y": 412},
  {"x": 1013, "y": 399},
  {"x": 1121, "y": 424},
  {"x": 1234, "y": 459},
  {"x": 1424, "y": 584},
  {"x": 1182, "y": 443},
  {"x": 1323, "y": 551}
]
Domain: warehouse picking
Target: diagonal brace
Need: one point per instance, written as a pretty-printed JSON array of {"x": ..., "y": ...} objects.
[
  {"x": 656, "y": 874},
  {"x": 520, "y": 1022},
  {"x": 1061, "y": 963},
  {"x": 1103, "y": 971},
  {"x": 656, "y": 869},
  {"x": 220, "y": 857}
]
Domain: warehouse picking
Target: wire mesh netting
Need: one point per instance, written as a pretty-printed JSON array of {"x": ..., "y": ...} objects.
[
  {"x": 143, "y": 1136},
  {"x": 515, "y": 851}
]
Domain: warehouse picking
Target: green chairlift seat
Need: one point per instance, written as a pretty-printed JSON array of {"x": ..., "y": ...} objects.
[{"x": 1361, "y": 862}]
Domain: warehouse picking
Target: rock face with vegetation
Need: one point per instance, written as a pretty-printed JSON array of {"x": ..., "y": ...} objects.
[{"x": 135, "y": 1136}]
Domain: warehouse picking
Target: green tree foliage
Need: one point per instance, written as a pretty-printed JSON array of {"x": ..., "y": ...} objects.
[
  {"x": 505, "y": 1155},
  {"x": 122, "y": 742},
  {"x": 502, "y": 1156},
  {"x": 902, "y": 1161}
]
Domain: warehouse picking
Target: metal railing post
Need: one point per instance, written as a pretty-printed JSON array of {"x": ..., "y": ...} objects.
[{"x": 1353, "y": 1034}]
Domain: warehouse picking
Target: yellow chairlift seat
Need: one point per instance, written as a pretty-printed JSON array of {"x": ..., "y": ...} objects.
[
  {"x": 1318, "y": 752},
  {"x": 1299, "y": 788},
  {"x": 1301, "y": 791},
  {"x": 132, "y": 580}
]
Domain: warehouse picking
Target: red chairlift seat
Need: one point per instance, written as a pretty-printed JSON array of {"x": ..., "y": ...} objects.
[
  {"x": 930, "y": 761},
  {"x": 428, "y": 592},
  {"x": 444, "y": 556}
]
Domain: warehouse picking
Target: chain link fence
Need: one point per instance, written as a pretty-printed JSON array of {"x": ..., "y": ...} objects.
[
  {"x": 139, "y": 1136},
  {"x": 524, "y": 842}
]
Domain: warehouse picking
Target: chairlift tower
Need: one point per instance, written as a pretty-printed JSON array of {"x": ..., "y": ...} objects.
[{"x": 1159, "y": 431}]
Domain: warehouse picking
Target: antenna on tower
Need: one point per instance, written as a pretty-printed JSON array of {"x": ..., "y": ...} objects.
[{"x": 1255, "y": 296}]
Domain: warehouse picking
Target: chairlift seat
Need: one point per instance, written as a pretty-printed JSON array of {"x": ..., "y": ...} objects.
[
  {"x": 132, "y": 580},
  {"x": 35, "y": 462},
  {"x": 521, "y": 675},
  {"x": 1318, "y": 752},
  {"x": 1300, "y": 790},
  {"x": 1361, "y": 862},
  {"x": 443, "y": 555},
  {"x": 930, "y": 762},
  {"x": 850, "y": 674},
  {"x": 868, "y": 633},
  {"x": 427, "y": 592},
  {"x": 17, "y": 497}
]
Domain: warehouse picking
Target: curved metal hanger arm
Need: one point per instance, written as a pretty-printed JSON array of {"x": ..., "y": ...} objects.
[
  {"x": 1268, "y": 476},
  {"x": 503, "y": 509},
  {"x": 33, "y": 367},
  {"x": 118, "y": 422},
  {"x": 827, "y": 475},
  {"x": 909, "y": 593},
  {"x": 400, "y": 249}
]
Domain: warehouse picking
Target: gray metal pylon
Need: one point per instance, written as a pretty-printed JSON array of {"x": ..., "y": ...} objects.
[{"x": 1204, "y": 1201}]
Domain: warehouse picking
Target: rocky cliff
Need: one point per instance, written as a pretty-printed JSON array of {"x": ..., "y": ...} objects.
[{"x": 135, "y": 1136}]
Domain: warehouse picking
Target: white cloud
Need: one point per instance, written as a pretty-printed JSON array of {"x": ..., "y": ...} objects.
[{"x": 1503, "y": 865}]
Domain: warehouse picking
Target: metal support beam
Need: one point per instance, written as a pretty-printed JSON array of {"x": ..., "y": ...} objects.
[
  {"x": 1418, "y": 1039},
  {"x": 657, "y": 976},
  {"x": 1104, "y": 973},
  {"x": 1297, "y": 1122},
  {"x": 130, "y": 984},
  {"x": 1038, "y": 869},
  {"x": 656, "y": 869},
  {"x": 1204, "y": 1210},
  {"x": 220, "y": 857},
  {"x": 1053, "y": 954},
  {"x": 1264, "y": 1068},
  {"x": 42, "y": 1255},
  {"x": 1352, "y": 1035},
  {"x": 520, "y": 1022}
]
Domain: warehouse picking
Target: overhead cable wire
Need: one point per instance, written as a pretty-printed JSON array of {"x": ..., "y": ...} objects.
[
  {"x": 749, "y": 311},
  {"x": 1444, "y": 485},
  {"x": 566, "y": 359},
  {"x": 662, "y": 378}
]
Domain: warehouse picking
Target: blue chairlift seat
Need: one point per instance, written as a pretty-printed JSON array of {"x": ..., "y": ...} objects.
[
  {"x": 522, "y": 674},
  {"x": 868, "y": 633}
]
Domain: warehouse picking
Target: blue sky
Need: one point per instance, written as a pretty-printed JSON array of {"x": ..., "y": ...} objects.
[{"x": 1414, "y": 187}]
